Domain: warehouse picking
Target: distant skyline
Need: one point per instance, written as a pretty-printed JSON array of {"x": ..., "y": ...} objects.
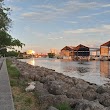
[{"x": 46, "y": 24}]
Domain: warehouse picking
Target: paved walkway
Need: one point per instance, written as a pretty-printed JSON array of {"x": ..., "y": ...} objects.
[{"x": 6, "y": 101}]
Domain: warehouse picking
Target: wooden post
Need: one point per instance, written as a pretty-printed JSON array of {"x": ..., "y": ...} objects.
[
  {"x": 100, "y": 52},
  {"x": 108, "y": 51}
]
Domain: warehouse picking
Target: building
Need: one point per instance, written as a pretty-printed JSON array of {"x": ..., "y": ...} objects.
[
  {"x": 24, "y": 55},
  {"x": 82, "y": 51},
  {"x": 53, "y": 50},
  {"x": 105, "y": 49},
  {"x": 67, "y": 52},
  {"x": 70, "y": 52}
]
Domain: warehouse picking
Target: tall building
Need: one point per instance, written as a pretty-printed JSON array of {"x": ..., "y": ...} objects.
[{"x": 53, "y": 50}]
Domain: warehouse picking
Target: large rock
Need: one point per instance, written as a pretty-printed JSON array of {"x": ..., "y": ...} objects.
[
  {"x": 90, "y": 94},
  {"x": 47, "y": 79},
  {"x": 59, "y": 99},
  {"x": 37, "y": 78},
  {"x": 40, "y": 90},
  {"x": 101, "y": 90},
  {"x": 46, "y": 101},
  {"x": 57, "y": 87},
  {"x": 74, "y": 93},
  {"x": 89, "y": 105},
  {"x": 108, "y": 108},
  {"x": 104, "y": 99},
  {"x": 67, "y": 80},
  {"x": 81, "y": 84}
]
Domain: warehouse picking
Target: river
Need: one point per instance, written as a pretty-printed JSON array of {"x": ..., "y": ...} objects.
[{"x": 97, "y": 72}]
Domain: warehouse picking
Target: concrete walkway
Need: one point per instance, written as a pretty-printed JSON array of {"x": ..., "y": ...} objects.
[{"x": 6, "y": 100}]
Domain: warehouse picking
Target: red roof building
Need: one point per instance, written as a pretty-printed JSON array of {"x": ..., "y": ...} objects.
[{"x": 104, "y": 49}]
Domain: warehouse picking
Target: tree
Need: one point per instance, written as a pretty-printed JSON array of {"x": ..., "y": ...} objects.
[
  {"x": 12, "y": 54},
  {"x": 6, "y": 40},
  {"x": 5, "y": 21}
]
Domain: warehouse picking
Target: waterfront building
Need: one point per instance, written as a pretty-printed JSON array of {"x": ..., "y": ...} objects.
[
  {"x": 67, "y": 52},
  {"x": 70, "y": 52},
  {"x": 105, "y": 50},
  {"x": 82, "y": 50}
]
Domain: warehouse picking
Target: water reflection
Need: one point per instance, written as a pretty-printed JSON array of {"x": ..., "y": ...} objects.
[
  {"x": 105, "y": 69},
  {"x": 78, "y": 69},
  {"x": 31, "y": 62},
  {"x": 82, "y": 69}
]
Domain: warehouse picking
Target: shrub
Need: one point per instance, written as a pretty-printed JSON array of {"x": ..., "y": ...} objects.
[{"x": 63, "y": 106}]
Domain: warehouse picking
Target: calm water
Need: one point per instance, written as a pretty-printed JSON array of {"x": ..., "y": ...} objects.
[{"x": 95, "y": 71}]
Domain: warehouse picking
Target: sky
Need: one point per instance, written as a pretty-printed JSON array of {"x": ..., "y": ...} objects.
[{"x": 46, "y": 24}]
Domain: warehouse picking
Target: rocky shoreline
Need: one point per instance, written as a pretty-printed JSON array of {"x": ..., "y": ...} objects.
[{"x": 53, "y": 88}]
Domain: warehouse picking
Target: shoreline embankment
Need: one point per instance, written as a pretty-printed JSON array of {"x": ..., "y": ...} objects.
[{"x": 53, "y": 88}]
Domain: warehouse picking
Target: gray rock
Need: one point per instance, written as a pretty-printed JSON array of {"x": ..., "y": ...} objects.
[
  {"x": 47, "y": 79},
  {"x": 100, "y": 90},
  {"x": 90, "y": 95},
  {"x": 74, "y": 93},
  {"x": 108, "y": 108},
  {"x": 81, "y": 84},
  {"x": 40, "y": 90},
  {"x": 104, "y": 99},
  {"x": 57, "y": 87},
  {"x": 87, "y": 105},
  {"x": 58, "y": 99},
  {"x": 46, "y": 101},
  {"x": 37, "y": 78}
]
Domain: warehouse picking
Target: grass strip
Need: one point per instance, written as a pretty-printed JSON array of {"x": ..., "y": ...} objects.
[{"x": 22, "y": 100}]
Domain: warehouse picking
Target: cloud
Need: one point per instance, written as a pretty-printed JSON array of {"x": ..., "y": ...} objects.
[
  {"x": 85, "y": 17},
  {"x": 38, "y": 16},
  {"x": 95, "y": 14},
  {"x": 77, "y": 5},
  {"x": 71, "y": 22},
  {"x": 106, "y": 5},
  {"x": 47, "y": 12},
  {"x": 102, "y": 29},
  {"x": 55, "y": 38}
]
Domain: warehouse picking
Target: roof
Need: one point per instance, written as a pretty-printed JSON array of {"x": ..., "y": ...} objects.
[
  {"x": 68, "y": 48},
  {"x": 106, "y": 44},
  {"x": 81, "y": 47},
  {"x": 71, "y": 47}
]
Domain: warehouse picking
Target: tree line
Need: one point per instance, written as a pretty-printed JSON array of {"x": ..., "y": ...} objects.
[{"x": 6, "y": 40}]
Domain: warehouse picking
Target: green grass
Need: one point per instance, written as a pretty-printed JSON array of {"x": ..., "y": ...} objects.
[
  {"x": 63, "y": 106},
  {"x": 22, "y": 100},
  {"x": 13, "y": 72}
]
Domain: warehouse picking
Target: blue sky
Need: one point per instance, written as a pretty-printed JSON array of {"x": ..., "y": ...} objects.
[{"x": 46, "y": 24}]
